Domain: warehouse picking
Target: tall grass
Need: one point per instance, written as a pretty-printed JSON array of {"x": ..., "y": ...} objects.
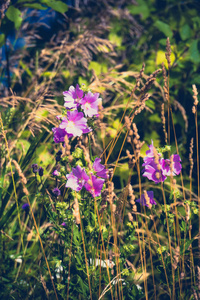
[{"x": 75, "y": 245}]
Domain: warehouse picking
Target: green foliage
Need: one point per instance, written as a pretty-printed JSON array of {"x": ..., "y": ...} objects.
[
  {"x": 165, "y": 28},
  {"x": 14, "y": 15}
]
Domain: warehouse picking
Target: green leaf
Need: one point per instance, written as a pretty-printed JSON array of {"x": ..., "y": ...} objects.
[
  {"x": 23, "y": 145},
  {"x": 185, "y": 32},
  {"x": 25, "y": 68},
  {"x": 59, "y": 6},
  {"x": 151, "y": 104},
  {"x": 155, "y": 118},
  {"x": 7, "y": 216},
  {"x": 184, "y": 248},
  {"x": 35, "y": 6},
  {"x": 14, "y": 15},
  {"x": 97, "y": 67},
  {"x": 115, "y": 39},
  {"x": 2, "y": 39},
  {"x": 22, "y": 1},
  {"x": 194, "y": 52},
  {"x": 164, "y": 28},
  {"x": 140, "y": 9}
]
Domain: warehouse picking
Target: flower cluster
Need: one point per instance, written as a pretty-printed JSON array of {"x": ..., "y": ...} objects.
[
  {"x": 78, "y": 178},
  {"x": 36, "y": 170},
  {"x": 78, "y": 107},
  {"x": 157, "y": 169}
]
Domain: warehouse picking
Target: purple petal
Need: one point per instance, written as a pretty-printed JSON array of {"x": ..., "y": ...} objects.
[
  {"x": 142, "y": 200},
  {"x": 97, "y": 166}
]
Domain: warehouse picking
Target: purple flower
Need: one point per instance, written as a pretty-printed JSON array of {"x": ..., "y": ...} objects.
[
  {"x": 35, "y": 168},
  {"x": 75, "y": 124},
  {"x": 76, "y": 179},
  {"x": 41, "y": 171},
  {"x": 26, "y": 207},
  {"x": 56, "y": 173},
  {"x": 94, "y": 186},
  {"x": 64, "y": 224},
  {"x": 149, "y": 158},
  {"x": 176, "y": 165},
  {"x": 99, "y": 169},
  {"x": 153, "y": 173},
  {"x": 59, "y": 135},
  {"x": 152, "y": 170},
  {"x": 142, "y": 200},
  {"x": 56, "y": 192},
  {"x": 73, "y": 97},
  {"x": 89, "y": 104}
]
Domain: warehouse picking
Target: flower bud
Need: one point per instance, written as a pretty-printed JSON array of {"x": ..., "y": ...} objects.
[
  {"x": 56, "y": 192},
  {"x": 35, "y": 168},
  {"x": 41, "y": 171}
]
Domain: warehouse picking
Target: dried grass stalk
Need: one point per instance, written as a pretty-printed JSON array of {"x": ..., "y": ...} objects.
[
  {"x": 165, "y": 87},
  {"x": 19, "y": 170},
  {"x": 194, "y": 89},
  {"x": 163, "y": 121},
  {"x": 76, "y": 212},
  {"x": 168, "y": 53},
  {"x": 191, "y": 157}
]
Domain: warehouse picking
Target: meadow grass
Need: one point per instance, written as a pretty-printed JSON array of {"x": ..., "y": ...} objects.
[{"x": 88, "y": 236}]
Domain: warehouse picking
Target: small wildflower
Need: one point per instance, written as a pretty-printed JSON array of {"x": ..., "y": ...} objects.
[
  {"x": 56, "y": 192},
  {"x": 150, "y": 157},
  {"x": 94, "y": 186},
  {"x": 35, "y": 168},
  {"x": 76, "y": 179},
  {"x": 142, "y": 200},
  {"x": 156, "y": 168},
  {"x": 59, "y": 135},
  {"x": 56, "y": 173},
  {"x": 75, "y": 124},
  {"x": 153, "y": 173},
  {"x": 89, "y": 104},
  {"x": 99, "y": 169},
  {"x": 64, "y": 224},
  {"x": 165, "y": 164},
  {"x": 26, "y": 207},
  {"x": 73, "y": 97}
]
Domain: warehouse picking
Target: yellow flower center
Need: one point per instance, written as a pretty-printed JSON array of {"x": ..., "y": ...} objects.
[
  {"x": 70, "y": 124},
  {"x": 87, "y": 105}
]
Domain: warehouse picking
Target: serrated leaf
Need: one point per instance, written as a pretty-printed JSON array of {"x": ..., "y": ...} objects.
[
  {"x": 14, "y": 15},
  {"x": 164, "y": 28}
]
